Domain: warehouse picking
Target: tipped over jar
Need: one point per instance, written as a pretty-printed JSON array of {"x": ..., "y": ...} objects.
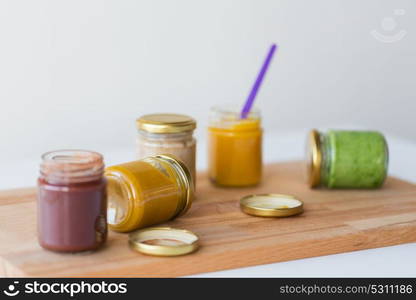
[
  {"x": 347, "y": 159},
  {"x": 145, "y": 192}
]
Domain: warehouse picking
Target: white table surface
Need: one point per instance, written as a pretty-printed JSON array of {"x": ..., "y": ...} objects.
[{"x": 395, "y": 261}]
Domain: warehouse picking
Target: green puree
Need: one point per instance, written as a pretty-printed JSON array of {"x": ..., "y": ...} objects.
[{"x": 354, "y": 159}]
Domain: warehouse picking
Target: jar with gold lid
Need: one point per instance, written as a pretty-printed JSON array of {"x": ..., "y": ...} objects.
[
  {"x": 167, "y": 134},
  {"x": 347, "y": 159},
  {"x": 147, "y": 192}
]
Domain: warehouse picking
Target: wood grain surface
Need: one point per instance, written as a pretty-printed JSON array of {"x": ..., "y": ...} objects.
[{"x": 334, "y": 221}]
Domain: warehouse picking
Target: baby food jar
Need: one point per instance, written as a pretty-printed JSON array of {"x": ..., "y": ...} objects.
[
  {"x": 234, "y": 148},
  {"x": 167, "y": 134},
  {"x": 72, "y": 201},
  {"x": 148, "y": 191},
  {"x": 347, "y": 159}
]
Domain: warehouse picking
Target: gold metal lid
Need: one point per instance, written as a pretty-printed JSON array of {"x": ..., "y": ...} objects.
[
  {"x": 165, "y": 123},
  {"x": 186, "y": 179},
  {"x": 314, "y": 158},
  {"x": 271, "y": 205},
  {"x": 164, "y": 241}
]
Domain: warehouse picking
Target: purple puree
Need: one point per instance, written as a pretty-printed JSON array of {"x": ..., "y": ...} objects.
[{"x": 72, "y": 217}]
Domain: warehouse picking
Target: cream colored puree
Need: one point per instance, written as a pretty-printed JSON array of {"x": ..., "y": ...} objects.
[{"x": 185, "y": 150}]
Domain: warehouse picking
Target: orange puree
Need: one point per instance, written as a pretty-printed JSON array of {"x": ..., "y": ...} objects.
[
  {"x": 143, "y": 193},
  {"x": 235, "y": 155}
]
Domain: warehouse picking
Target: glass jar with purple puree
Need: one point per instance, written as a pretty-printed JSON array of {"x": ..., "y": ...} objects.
[{"x": 72, "y": 201}]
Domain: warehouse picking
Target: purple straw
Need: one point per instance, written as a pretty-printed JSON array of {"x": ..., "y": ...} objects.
[{"x": 257, "y": 83}]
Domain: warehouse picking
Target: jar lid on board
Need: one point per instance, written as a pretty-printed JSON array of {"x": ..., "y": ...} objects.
[
  {"x": 164, "y": 241},
  {"x": 166, "y": 123},
  {"x": 271, "y": 205}
]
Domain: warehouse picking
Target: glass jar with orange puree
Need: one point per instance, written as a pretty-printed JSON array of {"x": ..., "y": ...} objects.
[
  {"x": 234, "y": 148},
  {"x": 147, "y": 192}
]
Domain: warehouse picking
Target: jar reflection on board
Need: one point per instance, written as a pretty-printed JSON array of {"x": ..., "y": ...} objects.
[
  {"x": 167, "y": 134},
  {"x": 72, "y": 201},
  {"x": 147, "y": 192},
  {"x": 347, "y": 159},
  {"x": 234, "y": 147}
]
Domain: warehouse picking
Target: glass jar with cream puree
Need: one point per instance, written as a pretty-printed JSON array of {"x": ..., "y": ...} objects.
[
  {"x": 347, "y": 159},
  {"x": 72, "y": 201},
  {"x": 234, "y": 147},
  {"x": 147, "y": 192},
  {"x": 167, "y": 134}
]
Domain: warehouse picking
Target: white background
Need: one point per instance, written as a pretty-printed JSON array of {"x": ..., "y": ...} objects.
[{"x": 76, "y": 74}]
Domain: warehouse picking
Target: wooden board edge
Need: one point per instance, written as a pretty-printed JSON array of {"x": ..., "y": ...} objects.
[{"x": 364, "y": 240}]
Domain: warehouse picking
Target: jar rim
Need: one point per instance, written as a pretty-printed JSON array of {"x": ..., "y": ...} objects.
[
  {"x": 71, "y": 166},
  {"x": 186, "y": 178},
  {"x": 229, "y": 118},
  {"x": 232, "y": 110}
]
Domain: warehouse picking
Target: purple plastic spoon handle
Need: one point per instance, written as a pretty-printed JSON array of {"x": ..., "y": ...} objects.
[{"x": 257, "y": 83}]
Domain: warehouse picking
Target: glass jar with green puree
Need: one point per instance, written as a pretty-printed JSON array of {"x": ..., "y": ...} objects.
[{"x": 347, "y": 159}]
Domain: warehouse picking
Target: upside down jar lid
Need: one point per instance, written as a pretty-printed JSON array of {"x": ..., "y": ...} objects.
[
  {"x": 271, "y": 205},
  {"x": 165, "y": 123},
  {"x": 164, "y": 241}
]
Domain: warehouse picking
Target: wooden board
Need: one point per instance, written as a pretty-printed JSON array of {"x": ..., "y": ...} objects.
[{"x": 334, "y": 221}]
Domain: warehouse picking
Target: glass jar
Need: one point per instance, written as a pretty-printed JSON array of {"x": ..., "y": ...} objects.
[
  {"x": 147, "y": 192},
  {"x": 234, "y": 148},
  {"x": 167, "y": 134},
  {"x": 347, "y": 159},
  {"x": 72, "y": 201}
]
